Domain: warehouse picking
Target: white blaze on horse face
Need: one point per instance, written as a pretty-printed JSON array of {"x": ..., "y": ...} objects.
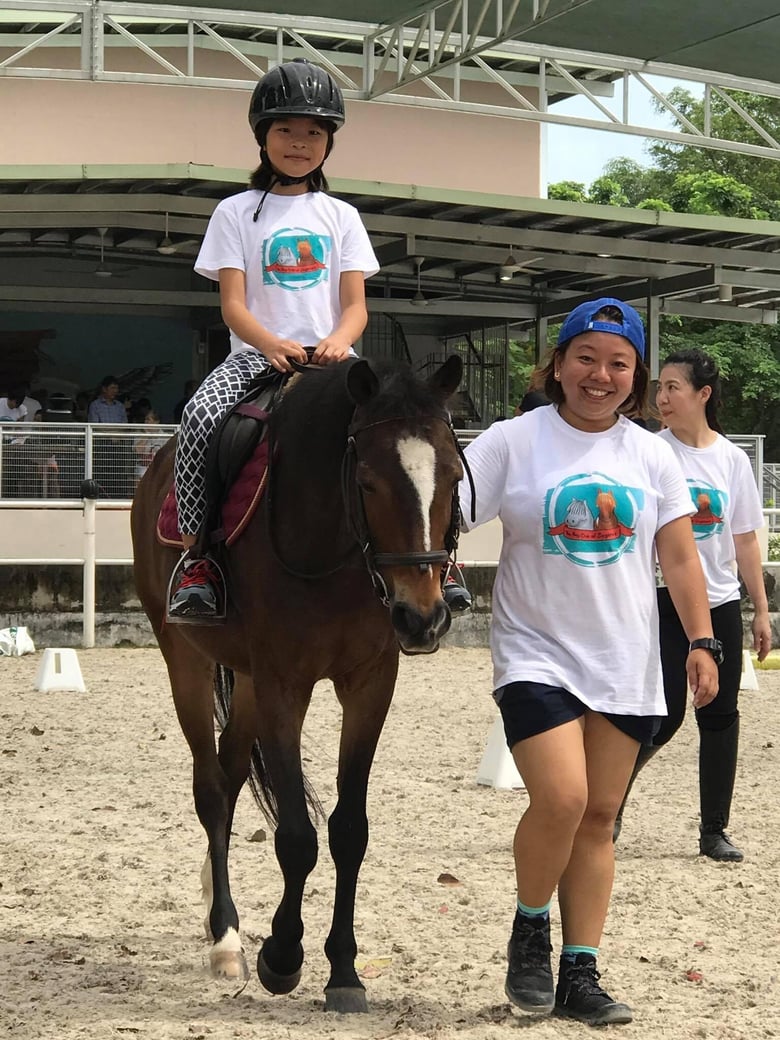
[{"x": 418, "y": 459}]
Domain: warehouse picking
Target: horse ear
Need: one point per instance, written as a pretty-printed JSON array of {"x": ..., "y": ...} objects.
[
  {"x": 446, "y": 379},
  {"x": 362, "y": 383}
]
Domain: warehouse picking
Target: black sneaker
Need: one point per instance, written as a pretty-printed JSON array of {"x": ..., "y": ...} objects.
[
  {"x": 579, "y": 995},
  {"x": 719, "y": 846},
  {"x": 529, "y": 980}
]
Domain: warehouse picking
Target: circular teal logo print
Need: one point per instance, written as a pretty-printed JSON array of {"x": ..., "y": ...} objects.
[
  {"x": 591, "y": 520},
  {"x": 295, "y": 259}
]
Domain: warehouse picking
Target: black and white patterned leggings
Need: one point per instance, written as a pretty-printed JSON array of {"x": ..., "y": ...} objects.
[{"x": 201, "y": 416}]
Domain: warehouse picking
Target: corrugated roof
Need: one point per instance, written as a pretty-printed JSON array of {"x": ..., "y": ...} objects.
[{"x": 50, "y": 220}]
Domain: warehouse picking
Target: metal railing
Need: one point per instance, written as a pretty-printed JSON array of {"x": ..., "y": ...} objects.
[{"x": 50, "y": 460}]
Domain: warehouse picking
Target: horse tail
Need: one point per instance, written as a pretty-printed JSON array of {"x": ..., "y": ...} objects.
[{"x": 259, "y": 781}]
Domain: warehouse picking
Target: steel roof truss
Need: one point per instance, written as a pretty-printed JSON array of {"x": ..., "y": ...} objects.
[{"x": 473, "y": 40}]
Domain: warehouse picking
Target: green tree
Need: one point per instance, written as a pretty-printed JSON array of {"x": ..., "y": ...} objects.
[
  {"x": 566, "y": 191},
  {"x": 749, "y": 360},
  {"x": 658, "y": 204},
  {"x": 713, "y": 193},
  {"x": 521, "y": 365},
  {"x": 638, "y": 183},
  {"x": 607, "y": 191}
]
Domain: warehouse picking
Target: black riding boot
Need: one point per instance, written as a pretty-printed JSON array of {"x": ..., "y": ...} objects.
[
  {"x": 645, "y": 753},
  {"x": 717, "y": 770}
]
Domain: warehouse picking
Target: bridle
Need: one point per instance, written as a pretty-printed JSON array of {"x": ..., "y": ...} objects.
[{"x": 354, "y": 507}]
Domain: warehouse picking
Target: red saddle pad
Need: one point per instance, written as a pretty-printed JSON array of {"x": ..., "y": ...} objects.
[{"x": 238, "y": 508}]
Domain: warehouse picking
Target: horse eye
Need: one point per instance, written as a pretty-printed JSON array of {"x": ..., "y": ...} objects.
[{"x": 364, "y": 481}]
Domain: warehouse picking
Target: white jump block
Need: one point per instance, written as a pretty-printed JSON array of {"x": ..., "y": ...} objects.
[
  {"x": 497, "y": 768},
  {"x": 59, "y": 670},
  {"x": 749, "y": 680}
]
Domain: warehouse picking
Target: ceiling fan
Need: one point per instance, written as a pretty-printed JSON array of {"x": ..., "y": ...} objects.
[
  {"x": 420, "y": 299},
  {"x": 168, "y": 247},
  {"x": 511, "y": 265},
  {"x": 103, "y": 270}
]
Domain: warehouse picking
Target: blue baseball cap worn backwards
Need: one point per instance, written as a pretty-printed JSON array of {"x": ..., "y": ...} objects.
[{"x": 582, "y": 320}]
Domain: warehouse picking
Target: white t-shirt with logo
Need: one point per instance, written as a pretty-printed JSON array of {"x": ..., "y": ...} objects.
[
  {"x": 292, "y": 257},
  {"x": 574, "y": 601},
  {"x": 726, "y": 499}
]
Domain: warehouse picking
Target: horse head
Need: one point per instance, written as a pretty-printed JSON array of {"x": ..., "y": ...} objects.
[{"x": 406, "y": 469}]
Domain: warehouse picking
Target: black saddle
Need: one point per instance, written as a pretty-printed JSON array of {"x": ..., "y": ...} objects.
[{"x": 233, "y": 444}]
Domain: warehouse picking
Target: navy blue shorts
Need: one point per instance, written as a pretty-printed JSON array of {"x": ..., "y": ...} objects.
[{"x": 530, "y": 708}]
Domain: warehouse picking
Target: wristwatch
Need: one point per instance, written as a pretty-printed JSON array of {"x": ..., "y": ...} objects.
[{"x": 714, "y": 646}]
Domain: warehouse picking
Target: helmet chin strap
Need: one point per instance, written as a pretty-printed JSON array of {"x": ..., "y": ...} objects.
[{"x": 278, "y": 178}]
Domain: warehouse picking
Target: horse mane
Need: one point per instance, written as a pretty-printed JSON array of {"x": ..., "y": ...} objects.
[{"x": 318, "y": 409}]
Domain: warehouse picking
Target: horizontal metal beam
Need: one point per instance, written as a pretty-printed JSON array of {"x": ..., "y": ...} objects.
[
  {"x": 98, "y": 218},
  {"x": 454, "y": 308},
  {"x": 138, "y": 297},
  {"x": 569, "y": 242},
  {"x": 97, "y": 204},
  {"x": 718, "y": 312}
]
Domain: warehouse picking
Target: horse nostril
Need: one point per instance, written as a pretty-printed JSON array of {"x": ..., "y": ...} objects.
[
  {"x": 406, "y": 620},
  {"x": 411, "y": 624}
]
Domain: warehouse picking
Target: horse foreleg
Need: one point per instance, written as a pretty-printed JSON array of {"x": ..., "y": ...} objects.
[
  {"x": 235, "y": 748},
  {"x": 280, "y": 959},
  {"x": 192, "y": 679},
  {"x": 365, "y": 698}
]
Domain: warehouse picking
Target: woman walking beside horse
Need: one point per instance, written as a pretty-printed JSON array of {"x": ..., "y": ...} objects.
[
  {"x": 291, "y": 263},
  {"x": 586, "y": 499}
]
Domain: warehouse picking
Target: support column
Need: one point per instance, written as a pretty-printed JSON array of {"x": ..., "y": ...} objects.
[
  {"x": 541, "y": 338},
  {"x": 653, "y": 345}
]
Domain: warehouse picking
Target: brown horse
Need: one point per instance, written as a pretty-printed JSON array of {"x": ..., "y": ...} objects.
[{"x": 338, "y": 567}]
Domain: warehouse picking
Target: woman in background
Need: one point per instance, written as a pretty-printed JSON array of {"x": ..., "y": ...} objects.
[{"x": 728, "y": 515}]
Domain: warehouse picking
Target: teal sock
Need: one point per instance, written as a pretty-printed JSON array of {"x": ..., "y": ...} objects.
[
  {"x": 570, "y": 952},
  {"x": 533, "y": 911}
]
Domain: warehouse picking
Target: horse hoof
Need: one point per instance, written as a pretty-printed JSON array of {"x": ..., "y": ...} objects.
[
  {"x": 226, "y": 958},
  {"x": 346, "y": 1000},
  {"x": 272, "y": 981},
  {"x": 229, "y": 964}
]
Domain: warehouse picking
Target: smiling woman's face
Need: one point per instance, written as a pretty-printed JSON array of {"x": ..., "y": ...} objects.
[{"x": 596, "y": 373}]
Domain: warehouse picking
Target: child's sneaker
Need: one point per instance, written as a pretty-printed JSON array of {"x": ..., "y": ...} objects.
[
  {"x": 198, "y": 594},
  {"x": 456, "y": 595}
]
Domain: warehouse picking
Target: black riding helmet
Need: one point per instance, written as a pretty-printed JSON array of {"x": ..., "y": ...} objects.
[{"x": 296, "y": 88}]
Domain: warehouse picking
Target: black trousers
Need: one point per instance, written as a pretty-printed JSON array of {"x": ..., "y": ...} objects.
[{"x": 721, "y": 712}]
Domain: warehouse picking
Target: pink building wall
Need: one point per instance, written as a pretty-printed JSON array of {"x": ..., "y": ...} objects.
[{"x": 55, "y": 122}]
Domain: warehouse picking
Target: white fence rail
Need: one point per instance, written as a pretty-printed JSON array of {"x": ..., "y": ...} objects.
[{"x": 83, "y": 534}]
